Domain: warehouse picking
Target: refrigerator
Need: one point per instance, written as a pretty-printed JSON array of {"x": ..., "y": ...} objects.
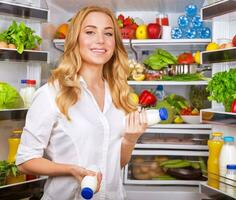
[{"x": 161, "y": 141}]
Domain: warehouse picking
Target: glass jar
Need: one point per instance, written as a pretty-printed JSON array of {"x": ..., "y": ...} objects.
[
  {"x": 162, "y": 19},
  {"x": 13, "y": 142}
]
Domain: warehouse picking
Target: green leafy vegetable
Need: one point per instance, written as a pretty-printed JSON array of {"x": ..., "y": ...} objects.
[
  {"x": 9, "y": 97},
  {"x": 20, "y": 35},
  {"x": 222, "y": 88},
  {"x": 159, "y": 59},
  {"x": 185, "y": 77}
]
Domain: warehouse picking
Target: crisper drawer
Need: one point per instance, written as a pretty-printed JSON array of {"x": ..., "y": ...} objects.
[
  {"x": 159, "y": 167},
  {"x": 175, "y": 137}
]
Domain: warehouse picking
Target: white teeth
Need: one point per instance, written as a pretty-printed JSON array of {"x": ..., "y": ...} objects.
[{"x": 98, "y": 50}]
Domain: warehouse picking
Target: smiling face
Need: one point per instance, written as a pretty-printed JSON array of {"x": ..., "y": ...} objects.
[{"x": 96, "y": 39}]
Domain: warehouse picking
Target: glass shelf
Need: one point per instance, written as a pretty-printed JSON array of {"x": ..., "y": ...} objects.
[
  {"x": 214, "y": 193},
  {"x": 167, "y": 82},
  {"x": 23, "y": 11},
  {"x": 27, "y": 55},
  {"x": 218, "y": 9},
  {"x": 22, "y": 190},
  {"x": 219, "y": 56},
  {"x": 13, "y": 114},
  {"x": 210, "y": 116}
]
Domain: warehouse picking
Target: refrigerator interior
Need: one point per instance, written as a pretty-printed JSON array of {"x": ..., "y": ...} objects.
[{"x": 61, "y": 11}]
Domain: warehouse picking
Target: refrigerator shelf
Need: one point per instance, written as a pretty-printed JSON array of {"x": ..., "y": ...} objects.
[
  {"x": 26, "y": 56},
  {"x": 167, "y": 82},
  {"x": 182, "y": 126},
  {"x": 34, "y": 13},
  {"x": 218, "y": 9},
  {"x": 22, "y": 190},
  {"x": 214, "y": 193},
  {"x": 12, "y": 114},
  {"x": 219, "y": 56},
  {"x": 153, "y": 43},
  {"x": 171, "y": 146},
  {"x": 218, "y": 117},
  {"x": 163, "y": 182}
]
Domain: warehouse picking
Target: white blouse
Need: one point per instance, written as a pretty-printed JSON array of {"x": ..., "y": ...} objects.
[{"x": 92, "y": 137}]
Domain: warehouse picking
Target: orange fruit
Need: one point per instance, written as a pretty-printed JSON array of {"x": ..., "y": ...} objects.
[{"x": 62, "y": 31}]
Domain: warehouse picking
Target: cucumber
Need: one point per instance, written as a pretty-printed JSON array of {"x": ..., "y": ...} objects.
[
  {"x": 170, "y": 162},
  {"x": 178, "y": 165},
  {"x": 195, "y": 165}
]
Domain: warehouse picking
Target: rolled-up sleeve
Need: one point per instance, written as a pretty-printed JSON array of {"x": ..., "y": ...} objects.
[{"x": 40, "y": 120}]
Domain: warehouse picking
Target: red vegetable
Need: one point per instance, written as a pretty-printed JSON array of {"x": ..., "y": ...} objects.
[
  {"x": 146, "y": 98},
  {"x": 121, "y": 17},
  {"x": 233, "y": 106},
  {"x": 185, "y": 58},
  {"x": 127, "y": 21}
]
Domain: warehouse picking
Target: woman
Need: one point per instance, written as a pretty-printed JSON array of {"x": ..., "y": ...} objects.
[{"x": 84, "y": 103}]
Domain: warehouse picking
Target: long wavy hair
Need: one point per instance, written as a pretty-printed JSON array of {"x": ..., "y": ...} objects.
[{"x": 115, "y": 71}]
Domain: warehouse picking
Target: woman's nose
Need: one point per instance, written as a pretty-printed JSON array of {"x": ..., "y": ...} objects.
[{"x": 100, "y": 38}]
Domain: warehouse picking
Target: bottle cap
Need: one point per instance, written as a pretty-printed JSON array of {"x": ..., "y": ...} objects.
[
  {"x": 160, "y": 87},
  {"x": 163, "y": 113},
  {"x": 33, "y": 82},
  {"x": 231, "y": 166},
  {"x": 217, "y": 134},
  {"x": 23, "y": 81},
  {"x": 228, "y": 139},
  {"x": 87, "y": 193}
]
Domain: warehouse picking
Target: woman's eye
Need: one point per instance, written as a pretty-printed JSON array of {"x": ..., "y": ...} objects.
[
  {"x": 89, "y": 32},
  {"x": 109, "y": 34}
]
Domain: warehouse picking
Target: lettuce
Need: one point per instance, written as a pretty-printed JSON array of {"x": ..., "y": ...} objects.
[{"x": 9, "y": 97}]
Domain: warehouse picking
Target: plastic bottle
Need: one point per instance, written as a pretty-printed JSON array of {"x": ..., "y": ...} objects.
[
  {"x": 29, "y": 92},
  {"x": 160, "y": 94},
  {"x": 154, "y": 116},
  {"x": 214, "y": 144},
  {"x": 231, "y": 174},
  {"x": 227, "y": 156},
  {"x": 23, "y": 89},
  {"x": 89, "y": 184}
]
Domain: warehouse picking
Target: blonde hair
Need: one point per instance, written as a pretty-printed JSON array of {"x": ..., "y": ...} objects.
[{"x": 115, "y": 71}]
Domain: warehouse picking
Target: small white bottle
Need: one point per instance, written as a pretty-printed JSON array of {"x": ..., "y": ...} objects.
[
  {"x": 154, "y": 116},
  {"x": 29, "y": 92},
  {"x": 231, "y": 180},
  {"x": 89, "y": 185}
]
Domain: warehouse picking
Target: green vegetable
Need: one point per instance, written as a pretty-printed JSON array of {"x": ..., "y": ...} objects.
[
  {"x": 184, "y": 77},
  {"x": 181, "y": 164},
  {"x": 159, "y": 59},
  {"x": 195, "y": 165},
  {"x": 164, "y": 177},
  {"x": 198, "y": 97},
  {"x": 222, "y": 87},
  {"x": 167, "y": 162},
  {"x": 9, "y": 97},
  {"x": 20, "y": 35}
]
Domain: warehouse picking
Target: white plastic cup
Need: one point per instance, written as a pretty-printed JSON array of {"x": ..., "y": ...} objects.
[{"x": 166, "y": 32}]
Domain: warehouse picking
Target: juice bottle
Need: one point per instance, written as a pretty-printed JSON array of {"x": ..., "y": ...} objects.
[
  {"x": 13, "y": 143},
  {"x": 214, "y": 145}
]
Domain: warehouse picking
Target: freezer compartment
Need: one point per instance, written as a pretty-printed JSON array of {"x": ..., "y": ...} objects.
[{"x": 166, "y": 168}]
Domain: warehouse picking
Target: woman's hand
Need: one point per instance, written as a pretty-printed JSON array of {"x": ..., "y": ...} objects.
[
  {"x": 79, "y": 173},
  {"x": 135, "y": 125}
]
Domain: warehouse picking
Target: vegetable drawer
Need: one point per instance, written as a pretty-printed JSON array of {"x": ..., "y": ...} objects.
[{"x": 157, "y": 167}]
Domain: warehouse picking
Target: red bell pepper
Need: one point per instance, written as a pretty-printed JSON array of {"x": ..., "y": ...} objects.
[
  {"x": 146, "y": 98},
  {"x": 233, "y": 106}
]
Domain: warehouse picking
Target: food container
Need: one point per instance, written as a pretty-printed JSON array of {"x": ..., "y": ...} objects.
[
  {"x": 191, "y": 119},
  {"x": 166, "y": 168},
  {"x": 151, "y": 75}
]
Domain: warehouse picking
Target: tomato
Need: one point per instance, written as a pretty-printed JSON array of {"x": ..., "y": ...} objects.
[{"x": 185, "y": 58}]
